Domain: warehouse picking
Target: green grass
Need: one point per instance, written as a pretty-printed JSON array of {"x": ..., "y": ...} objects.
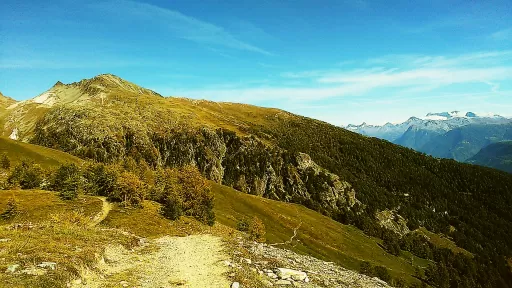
[
  {"x": 318, "y": 235},
  {"x": 46, "y": 157},
  {"x": 442, "y": 241}
]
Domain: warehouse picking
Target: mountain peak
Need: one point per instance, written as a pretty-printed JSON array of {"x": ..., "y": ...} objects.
[
  {"x": 97, "y": 88},
  {"x": 58, "y": 84}
]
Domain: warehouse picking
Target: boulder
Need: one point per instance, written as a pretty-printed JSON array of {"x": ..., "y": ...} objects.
[
  {"x": 285, "y": 273},
  {"x": 235, "y": 285},
  {"x": 12, "y": 268}
]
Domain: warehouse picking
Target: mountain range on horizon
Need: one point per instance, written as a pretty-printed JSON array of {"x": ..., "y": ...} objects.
[{"x": 453, "y": 135}]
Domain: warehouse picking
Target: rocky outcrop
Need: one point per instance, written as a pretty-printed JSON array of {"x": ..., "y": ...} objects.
[
  {"x": 244, "y": 163},
  {"x": 392, "y": 221},
  {"x": 278, "y": 267}
]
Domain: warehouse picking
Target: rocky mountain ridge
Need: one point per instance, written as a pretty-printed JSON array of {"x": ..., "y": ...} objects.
[
  {"x": 438, "y": 123},
  {"x": 107, "y": 119}
]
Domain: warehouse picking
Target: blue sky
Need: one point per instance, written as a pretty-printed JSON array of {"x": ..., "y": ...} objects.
[{"x": 344, "y": 61}]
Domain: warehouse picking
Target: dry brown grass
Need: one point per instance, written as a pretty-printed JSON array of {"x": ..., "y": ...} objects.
[
  {"x": 55, "y": 235},
  {"x": 37, "y": 206},
  {"x": 148, "y": 222}
]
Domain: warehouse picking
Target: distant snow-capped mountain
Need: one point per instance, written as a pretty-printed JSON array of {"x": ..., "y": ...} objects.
[{"x": 432, "y": 123}]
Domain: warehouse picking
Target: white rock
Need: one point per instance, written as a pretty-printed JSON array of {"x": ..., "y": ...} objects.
[
  {"x": 283, "y": 282},
  {"x": 248, "y": 261},
  {"x": 50, "y": 265},
  {"x": 285, "y": 273},
  {"x": 272, "y": 275},
  {"x": 235, "y": 285},
  {"x": 12, "y": 268}
]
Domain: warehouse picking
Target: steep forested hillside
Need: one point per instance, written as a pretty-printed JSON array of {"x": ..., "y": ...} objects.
[
  {"x": 286, "y": 157},
  {"x": 497, "y": 155}
]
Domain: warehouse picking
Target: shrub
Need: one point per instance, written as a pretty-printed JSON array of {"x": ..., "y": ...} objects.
[
  {"x": 66, "y": 180},
  {"x": 11, "y": 210},
  {"x": 366, "y": 268},
  {"x": 5, "y": 162},
  {"x": 184, "y": 192},
  {"x": 257, "y": 230},
  {"x": 382, "y": 273},
  {"x": 26, "y": 176},
  {"x": 129, "y": 190},
  {"x": 243, "y": 225},
  {"x": 100, "y": 179}
]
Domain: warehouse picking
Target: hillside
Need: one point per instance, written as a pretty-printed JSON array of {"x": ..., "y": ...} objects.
[
  {"x": 317, "y": 235},
  {"x": 497, "y": 155},
  {"x": 281, "y": 156},
  {"x": 46, "y": 157}
]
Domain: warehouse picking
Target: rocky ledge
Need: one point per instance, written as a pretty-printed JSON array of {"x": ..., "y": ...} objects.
[{"x": 281, "y": 267}]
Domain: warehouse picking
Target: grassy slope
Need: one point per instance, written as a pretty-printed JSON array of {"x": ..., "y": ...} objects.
[
  {"x": 43, "y": 156},
  {"x": 153, "y": 224},
  {"x": 59, "y": 235},
  {"x": 318, "y": 235},
  {"x": 38, "y": 206},
  {"x": 442, "y": 241}
]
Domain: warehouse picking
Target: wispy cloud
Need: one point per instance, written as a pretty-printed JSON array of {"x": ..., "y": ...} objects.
[
  {"x": 404, "y": 74},
  {"x": 501, "y": 35},
  {"x": 180, "y": 25}
]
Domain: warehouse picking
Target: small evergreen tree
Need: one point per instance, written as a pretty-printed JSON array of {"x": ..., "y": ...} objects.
[
  {"x": 11, "y": 210},
  {"x": 243, "y": 225},
  {"x": 66, "y": 181},
  {"x": 171, "y": 208},
  {"x": 366, "y": 268},
  {"x": 5, "y": 162},
  {"x": 382, "y": 273},
  {"x": 26, "y": 176}
]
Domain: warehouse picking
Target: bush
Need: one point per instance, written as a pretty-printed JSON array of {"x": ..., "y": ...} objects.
[
  {"x": 100, "y": 179},
  {"x": 366, "y": 268},
  {"x": 129, "y": 190},
  {"x": 257, "y": 230},
  {"x": 243, "y": 225},
  {"x": 11, "y": 210},
  {"x": 171, "y": 209},
  {"x": 5, "y": 162},
  {"x": 184, "y": 192},
  {"x": 26, "y": 176},
  {"x": 66, "y": 180},
  {"x": 382, "y": 273}
]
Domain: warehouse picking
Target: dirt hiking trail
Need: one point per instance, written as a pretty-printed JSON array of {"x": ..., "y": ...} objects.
[
  {"x": 192, "y": 261},
  {"x": 105, "y": 209}
]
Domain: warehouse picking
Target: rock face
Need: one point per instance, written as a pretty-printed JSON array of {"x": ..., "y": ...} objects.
[
  {"x": 244, "y": 163},
  {"x": 393, "y": 222}
]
